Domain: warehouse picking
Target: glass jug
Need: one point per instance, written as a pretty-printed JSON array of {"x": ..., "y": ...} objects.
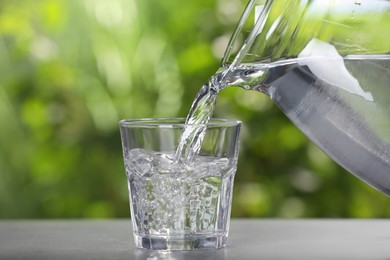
[{"x": 326, "y": 65}]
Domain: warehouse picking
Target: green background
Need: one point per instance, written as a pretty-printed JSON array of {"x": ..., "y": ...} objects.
[{"x": 71, "y": 69}]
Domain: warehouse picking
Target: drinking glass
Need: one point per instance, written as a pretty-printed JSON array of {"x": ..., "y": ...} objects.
[{"x": 178, "y": 205}]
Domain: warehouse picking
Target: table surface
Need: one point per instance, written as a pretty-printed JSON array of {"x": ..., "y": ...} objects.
[{"x": 248, "y": 239}]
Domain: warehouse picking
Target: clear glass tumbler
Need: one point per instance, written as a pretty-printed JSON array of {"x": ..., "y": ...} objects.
[{"x": 178, "y": 205}]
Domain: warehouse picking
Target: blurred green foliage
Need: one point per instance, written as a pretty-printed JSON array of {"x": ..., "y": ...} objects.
[{"x": 71, "y": 69}]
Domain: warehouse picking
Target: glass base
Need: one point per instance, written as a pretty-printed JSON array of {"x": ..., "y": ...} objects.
[{"x": 174, "y": 243}]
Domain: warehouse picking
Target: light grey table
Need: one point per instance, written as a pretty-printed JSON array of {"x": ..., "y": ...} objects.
[{"x": 248, "y": 239}]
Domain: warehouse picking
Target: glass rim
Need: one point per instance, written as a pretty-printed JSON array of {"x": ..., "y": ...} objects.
[{"x": 177, "y": 122}]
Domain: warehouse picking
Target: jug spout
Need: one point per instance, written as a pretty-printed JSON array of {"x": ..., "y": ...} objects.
[{"x": 244, "y": 76}]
